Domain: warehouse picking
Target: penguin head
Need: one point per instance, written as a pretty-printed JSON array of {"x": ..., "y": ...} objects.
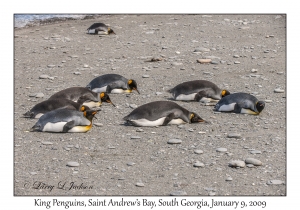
[
  {"x": 105, "y": 98},
  {"x": 90, "y": 114},
  {"x": 225, "y": 93},
  {"x": 260, "y": 105},
  {"x": 194, "y": 118},
  {"x": 84, "y": 108},
  {"x": 133, "y": 85},
  {"x": 110, "y": 31}
]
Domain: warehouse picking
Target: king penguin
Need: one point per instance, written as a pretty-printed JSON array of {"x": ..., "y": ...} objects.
[
  {"x": 65, "y": 120},
  {"x": 197, "y": 90},
  {"x": 91, "y": 98},
  {"x": 46, "y": 106},
  {"x": 100, "y": 28},
  {"x": 161, "y": 113},
  {"x": 240, "y": 103},
  {"x": 112, "y": 83}
]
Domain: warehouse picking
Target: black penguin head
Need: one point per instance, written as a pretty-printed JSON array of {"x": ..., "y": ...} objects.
[
  {"x": 260, "y": 105},
  {"x": 133, "y": 85},
  {"x": 90, "y": 114},
  {"x": 105, "y": 98},
  {"x": 194, "y": 118},
  {"x": 110, "y": 31},
  {"x": 84, "y": 108},
  {"x": 225, "y": 93}
]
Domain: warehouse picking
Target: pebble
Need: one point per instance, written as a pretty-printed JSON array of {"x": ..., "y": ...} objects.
[
  {"x": 198, "y": 164},
  {"x": 32, "y": 95},
  {"x": 33, "y": 173},
  {"x": 268, "y": 101},
  {"x": 255, "y": 152},
  {"x": 178, "y": 193},
  {"x": 202, "y": 49},
  {"x": 177, "y": 52},
  {"x": 236, "y": 56},
  {"x": 253, "y": 161},
  {"x": 39, "y": 95},
  {"x": 204, "y": 61},
  {"x": 158, "y": 93},
  {"x": 278, "y": 90},
  {"x": 275, "y": 182},
  {"x": 280, "y": 73},
  {"x": 98, "y": 124},
  {"x": 250, "y": 165},
  {"x": 139, "y": 130},
  {"x": 228, "y": 179},
  {"x": 85, "y": 66},
  {"x": 130, "y": 163},
  {"x": 198, "y": 151},
  {"x": 237, "y": 163},
  {"x": 176, "y": 64},
  {"x": 44, "y": 76},
  {"x": 77, "y": 73},
  {"x": 211, "y": 193},
  {"x": 133, "y": 106},
  {"x": 51, "y": 66},
  {"x": 174, "y": 141},
  {"x": 140, "y": 184},
  {"x": 221, "y": 150},
  {"x": 135, "y": 137},
  {"x": 237, "y": 62},
  {"x": 253, "y": 70},
  {"x": 47, "y": 143},
  {"x": 145, "y": 76},
  {"x": 201, "y": 132},
  {"x": 72, "y": 164},
  {"x": 234, "y": 135}
]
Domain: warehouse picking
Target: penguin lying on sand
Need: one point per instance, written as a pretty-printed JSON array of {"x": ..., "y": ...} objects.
[
  {"x": 161, "y": 113},
  {"x": 74, "y": 93},
  {"x": 100, "y": 28},
  {"x": 112, "y": 83},
  {"x": 46, "y": 106},
  {"x": 197, "y": 90},
  {"x": 65, "y": 120},
  {"x": 240, "y": 103}
]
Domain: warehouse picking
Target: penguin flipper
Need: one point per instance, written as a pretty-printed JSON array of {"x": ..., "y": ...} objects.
[
  {"x": 204, "y": 93},
  {"x": 237, "y": 108},
  {"x": 168, "y": 119},
  {"x": 68, "y": 126},
  {"x": 29, "y": 114}
]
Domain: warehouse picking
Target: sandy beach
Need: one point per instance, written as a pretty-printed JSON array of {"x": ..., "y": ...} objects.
[{"x": 248, "y": 54}]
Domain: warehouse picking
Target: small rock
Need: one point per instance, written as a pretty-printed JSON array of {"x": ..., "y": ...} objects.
[
  {"x": 221, "y": 150},
  {"x": 237, "y": 163},
  {"x": 237, "y": 62},
  {"x": 39, "y": 95},
  {"x": 253, "y": 70},
  {"x": 268, "y": 101},
  {"x": 202, "y": 49},
  {"x": 174, "y": 141},
  {"x": 202, "y": 61},
  {"x": 135, "y": 137},
  {"x": 139, "y": 184},
  {"x": 178, "y": 193},
  {"x": 278, "y": 90},
  {"x": 33, "y": 173},
  {"x": 276, "y": 182},
  {"x": 145, "y": 76},
  {"x": 250, "y": 165},
  {"x": 198, "y": 151},
  {"x": 130, "y": 163},
  {"x": 51, "y": 66},
  {"x": 98, "y": 124},
  {"x": 253, "y": 161},
  {"x": 47, "y": 143},
  {"x": 236, "y": 56},
  {"x": 158, "y": 93},
  {"x": 72, "y": 164},
  {"x": 133, "y": 106},
  {"x": 255, "y": 152},
  {"x": 44, "y": 76},
  {"x": 139, "y": 130},
  {"x": 176, "y": 64},
  {"x": 234, "y": 135},
  {"x": 228, "y": 179},
  {"x": 198, "y": 164},
  {"x": 77, "y": 73}
]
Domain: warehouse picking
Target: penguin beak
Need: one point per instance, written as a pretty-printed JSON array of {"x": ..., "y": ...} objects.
[
  {"x": 136, "y": 90},
  {"x": 109, "y": 101}
]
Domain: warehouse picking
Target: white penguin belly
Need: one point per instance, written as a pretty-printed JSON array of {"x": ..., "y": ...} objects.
[
  {"x": 99, "y": 90},
  {"x": 92, "y": 31},
  {"x": 183, "y": 97},
  {"x": 227, "y": 107},
  {"x": 54, "y": 127},
  {"x": 38, "y": 115},
  {"x": 160, "y": 121},
  {"x": 248, "y": 111},
  {"x": 92, "y": 104},
  {"x": 120, "y": 91}
]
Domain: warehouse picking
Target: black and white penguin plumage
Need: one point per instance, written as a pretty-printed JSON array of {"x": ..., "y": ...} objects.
[
  {"x": 161, "y": 113},
  {"x": 112, "y": 83},
  {"x": 240, "y": 103},
  {"x": 196, "y": 90},
  {"x": 100, "y": 28}
]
